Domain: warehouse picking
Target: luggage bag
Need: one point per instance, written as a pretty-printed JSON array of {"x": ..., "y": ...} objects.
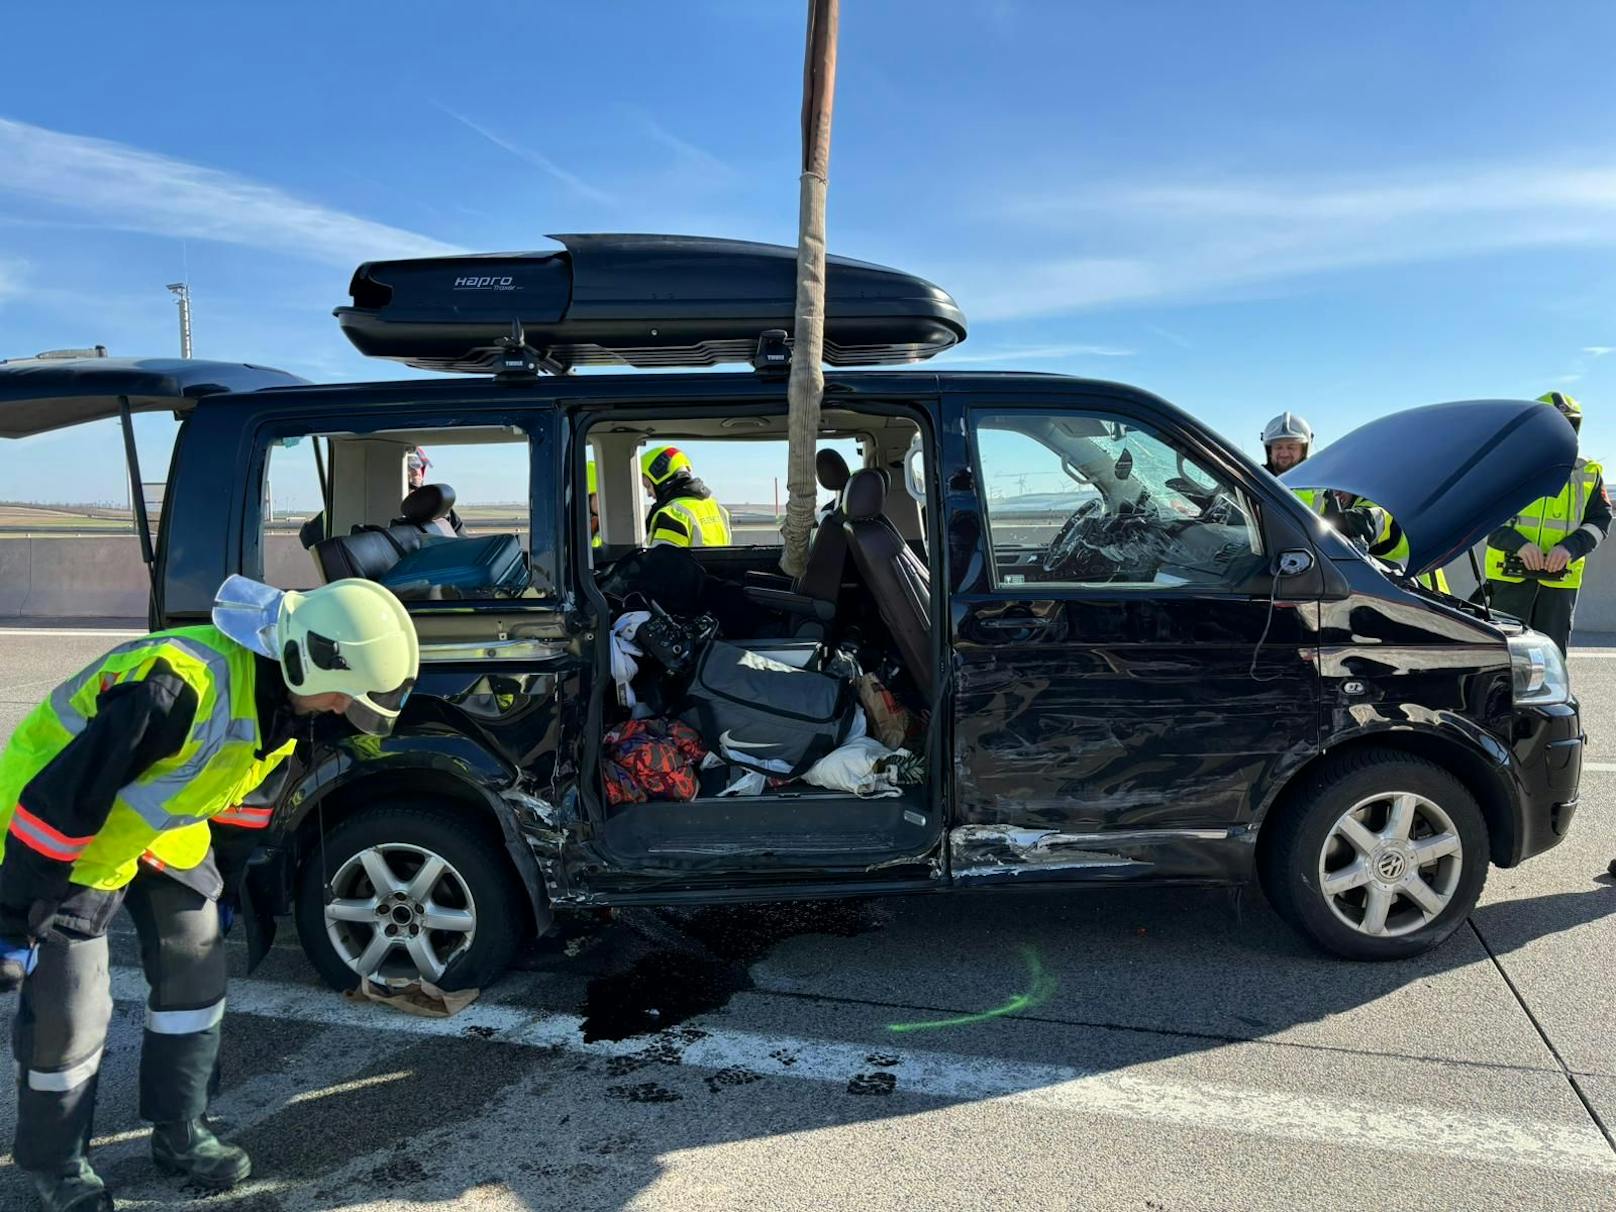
[
  {"x": 489, "y": 566},
  {"x": 766, "y": 715}
]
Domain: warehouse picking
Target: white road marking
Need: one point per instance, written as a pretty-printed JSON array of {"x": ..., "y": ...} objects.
[
  {"x": 1337, "y": 1122},
  {"x": 109, "y": 632},
  {"x": 358, "y": 1083},
  {"x": 1601, "y": 767},
  {"x": 1600, "y": 654}
]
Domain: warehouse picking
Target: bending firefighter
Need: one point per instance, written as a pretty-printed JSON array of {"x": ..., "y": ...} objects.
[
  {"x": 1535, "y": 562},
  {"x": 1288, "y": 440},
  {"x": 107, "y": 792},
  {"x": 684, "y": 513}
]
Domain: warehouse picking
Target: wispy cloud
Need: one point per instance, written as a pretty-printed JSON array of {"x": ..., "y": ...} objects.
[
  {"x": 11, "y": 276},
  {"x": 124, "y": 188},
  {"x": 687, "y": 151},
  {"x": 1097, "y": 244},
  {"x": 1598, "y": 351},
  {"x": 1039, "y": 353},
  {"x": 1171, "y": 337},
  {"x": 537, "y": 159}
]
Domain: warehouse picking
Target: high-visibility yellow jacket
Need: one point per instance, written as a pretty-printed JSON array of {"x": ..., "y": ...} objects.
[
  {"x": 689, "y": 522},
  {"x": 1578, "y": 518},
  {"x": 100, "y": 827}
]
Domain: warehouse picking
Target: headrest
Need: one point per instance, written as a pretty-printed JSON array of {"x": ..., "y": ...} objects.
[
  {"x": 865, "y": 495},
  {"x": 831, "y": 469},
  {"x": 427, "y": 504}
]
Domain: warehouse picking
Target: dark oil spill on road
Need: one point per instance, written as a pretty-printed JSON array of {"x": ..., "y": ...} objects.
[{"x": 703, "y": 960}]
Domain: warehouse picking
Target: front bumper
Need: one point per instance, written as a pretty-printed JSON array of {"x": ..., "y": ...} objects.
[{"x": 1548, "y": 744}]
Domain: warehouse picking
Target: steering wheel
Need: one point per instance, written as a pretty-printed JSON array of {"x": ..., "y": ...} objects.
[{"x": 1070, "y": 536}]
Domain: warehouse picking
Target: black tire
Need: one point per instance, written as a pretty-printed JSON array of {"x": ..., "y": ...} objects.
[
  {"x": 475, "y": 858},
  {"x": 1297, "y": 838}
]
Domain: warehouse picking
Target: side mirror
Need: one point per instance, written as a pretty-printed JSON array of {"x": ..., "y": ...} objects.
[{"x": 1293, "y": 563}]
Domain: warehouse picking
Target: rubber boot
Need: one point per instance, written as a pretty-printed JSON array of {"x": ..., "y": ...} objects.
[
  {"x": 76, "y": 1188},
  {"x": 189, "y": 1148}
]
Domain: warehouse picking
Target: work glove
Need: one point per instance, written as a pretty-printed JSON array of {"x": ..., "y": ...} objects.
[
  {"x": 227, "y": 916},
  {"x": 18, "y": 959}
]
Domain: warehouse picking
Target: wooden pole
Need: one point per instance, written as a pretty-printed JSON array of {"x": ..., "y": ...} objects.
[{"x": 806, "y": 387}]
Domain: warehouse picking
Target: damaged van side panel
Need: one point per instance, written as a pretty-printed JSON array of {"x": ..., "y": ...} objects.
[
  {"x": 1106, "y": 732},
  {"x": 993, "y": 854}
]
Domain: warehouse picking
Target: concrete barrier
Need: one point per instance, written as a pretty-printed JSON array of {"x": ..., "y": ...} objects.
[
  {"x": 102, "y": 577},
  {"x": 16, "y": 575}
]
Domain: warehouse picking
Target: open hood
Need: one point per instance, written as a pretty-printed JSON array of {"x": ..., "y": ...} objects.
[
  {"x": 1449, "y": 473},
  {"x": 41, "y": 394}
]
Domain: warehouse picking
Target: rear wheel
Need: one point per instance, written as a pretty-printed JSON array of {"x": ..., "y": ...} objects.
[
  {"x": 1381, "y": 855},
  {"x": 415, "y": 897}
]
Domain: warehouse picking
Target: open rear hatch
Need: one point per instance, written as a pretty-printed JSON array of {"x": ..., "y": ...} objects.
[
  {"x": 41, "y": 394},
  {"x": 38, "y": 395},
  {"x": 1449, "y": 473},
  {"x": 636, "y": 300}
]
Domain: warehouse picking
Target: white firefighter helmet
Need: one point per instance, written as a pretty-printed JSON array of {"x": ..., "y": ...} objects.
[
  {"x": 1287, "y": 427},
  {"x": 350, "y": 637}
]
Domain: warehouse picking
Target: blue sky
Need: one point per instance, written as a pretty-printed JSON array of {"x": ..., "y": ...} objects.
[{"x": 1341, "y": 209}]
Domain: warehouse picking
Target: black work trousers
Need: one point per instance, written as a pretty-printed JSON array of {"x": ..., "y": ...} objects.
[
  {"x": 66, "y": 1004},
  {"x": 1541, "y": 607}
]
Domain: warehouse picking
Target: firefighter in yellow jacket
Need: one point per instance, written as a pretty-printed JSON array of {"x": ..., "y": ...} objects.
[
  {"x": 1535, "y": 560},
  {"x": 107, "y": 792},
  {"x": 684, "y": 513}
]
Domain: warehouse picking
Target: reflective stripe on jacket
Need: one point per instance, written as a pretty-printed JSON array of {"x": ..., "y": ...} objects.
[
  {"x": 689, "y": 522},
  {"x": 161, "y": 815},
  {"x": 1549, "y": 521}
]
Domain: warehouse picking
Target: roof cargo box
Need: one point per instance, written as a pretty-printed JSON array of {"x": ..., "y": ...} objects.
[{"x": 649, "y": 301}]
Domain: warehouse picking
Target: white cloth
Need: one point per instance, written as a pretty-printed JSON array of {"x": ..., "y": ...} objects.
[
  {"x": 624, "y": 666},
  {"x": 852, "y": 769},
  {"x": 750, "y": 782}
]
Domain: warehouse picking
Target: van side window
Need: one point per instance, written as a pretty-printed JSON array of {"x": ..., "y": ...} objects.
[
  {"x": 1088, "y": 499},
  {"x": 433, "y": 514}
]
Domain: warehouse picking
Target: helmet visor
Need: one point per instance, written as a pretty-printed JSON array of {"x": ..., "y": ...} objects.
[{"x": 375, "y": 713}]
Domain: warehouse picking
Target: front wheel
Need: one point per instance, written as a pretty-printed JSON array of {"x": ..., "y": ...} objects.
[
  {"x": 415, "y": 896},
  {"x": 1381, "y": 855}
]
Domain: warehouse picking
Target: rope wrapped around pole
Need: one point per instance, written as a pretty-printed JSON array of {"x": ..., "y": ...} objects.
[{"x": 806, "y": 387}]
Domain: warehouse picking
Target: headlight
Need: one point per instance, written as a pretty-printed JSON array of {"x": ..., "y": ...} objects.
[{"x": 1539, "y": 670}]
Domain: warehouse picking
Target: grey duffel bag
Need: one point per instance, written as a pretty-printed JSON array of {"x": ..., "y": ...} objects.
[{"x": 764, "y": 715}]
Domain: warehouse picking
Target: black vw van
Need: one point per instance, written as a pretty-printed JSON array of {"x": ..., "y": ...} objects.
[{"x": 1119, "y": 650}]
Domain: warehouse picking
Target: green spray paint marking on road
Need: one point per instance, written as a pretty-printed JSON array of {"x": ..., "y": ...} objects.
[{"x": 1042, "y": 986}]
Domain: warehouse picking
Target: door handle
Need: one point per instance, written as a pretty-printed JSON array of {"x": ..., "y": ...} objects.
[{"x": 1015, "y": 622}]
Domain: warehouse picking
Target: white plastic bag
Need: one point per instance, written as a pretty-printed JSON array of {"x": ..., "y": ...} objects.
[{"x": 852, "y": 769}]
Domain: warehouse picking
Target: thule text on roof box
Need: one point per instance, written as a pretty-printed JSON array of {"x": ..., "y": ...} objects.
[{"x": 635, "y": 300}]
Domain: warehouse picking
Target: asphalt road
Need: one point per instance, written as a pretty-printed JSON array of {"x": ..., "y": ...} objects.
[{"x": 1128, "y": 1049}]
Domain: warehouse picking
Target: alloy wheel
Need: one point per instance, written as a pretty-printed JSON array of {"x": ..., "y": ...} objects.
[
  {"x": 400, "y": 913},
  {"x": 1390, "y": 864}
]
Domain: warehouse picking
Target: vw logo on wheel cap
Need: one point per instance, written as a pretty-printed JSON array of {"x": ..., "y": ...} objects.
[{"x": 1390, "y": 866}]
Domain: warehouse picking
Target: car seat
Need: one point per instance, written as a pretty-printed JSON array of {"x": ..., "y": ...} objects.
[
  {"x": 897, "y": 579},
  {"x": 812, "y": 596},
  {"x": 431, "y": 508}
]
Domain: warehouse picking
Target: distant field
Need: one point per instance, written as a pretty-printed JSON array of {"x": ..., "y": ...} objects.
[{"x": 26, "y": 519}]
